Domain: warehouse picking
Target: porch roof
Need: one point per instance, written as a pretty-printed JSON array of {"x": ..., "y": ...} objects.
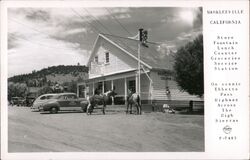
[{"x": 103, "y": 77}]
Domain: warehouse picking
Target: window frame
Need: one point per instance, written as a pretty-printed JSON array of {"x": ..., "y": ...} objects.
[
  {"x": 43, "y": 98},
  {"x": 96, "y": 59},
  {"x": 107, "y": 57}
]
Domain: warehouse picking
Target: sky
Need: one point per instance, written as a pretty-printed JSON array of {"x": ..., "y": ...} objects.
[{"x": 43, "y": 37}]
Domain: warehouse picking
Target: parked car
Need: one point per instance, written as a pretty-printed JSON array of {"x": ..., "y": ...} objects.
[
  {"x": 65, "y": 102},
  {"x": 29, "y": 101},
  {"x": 41, "y": 100},
  {"x": 19, "y": 101}
]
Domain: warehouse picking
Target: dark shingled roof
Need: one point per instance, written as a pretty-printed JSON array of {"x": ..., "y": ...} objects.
[{"x": 149, "y": 55}]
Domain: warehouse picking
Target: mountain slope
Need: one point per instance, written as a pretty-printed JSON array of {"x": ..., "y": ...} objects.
[{"x": 55, "y": 74}]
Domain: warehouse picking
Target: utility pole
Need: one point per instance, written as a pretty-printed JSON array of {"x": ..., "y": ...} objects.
[
  {"x": 139, "y": 61},
  {"x": 139, "y": 69},
  {"x": 143, "y": 35}
]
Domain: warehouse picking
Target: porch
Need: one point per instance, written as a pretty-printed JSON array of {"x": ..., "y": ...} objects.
[{"x": 120, "y": 83}]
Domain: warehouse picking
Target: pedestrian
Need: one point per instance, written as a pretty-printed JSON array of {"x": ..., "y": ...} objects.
[{"x": 168, "y": 93}]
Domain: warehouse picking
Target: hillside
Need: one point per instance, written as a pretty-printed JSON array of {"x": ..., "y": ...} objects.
[{"x": 51, "y": 75}]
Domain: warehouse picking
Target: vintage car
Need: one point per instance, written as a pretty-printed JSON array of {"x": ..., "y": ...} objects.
[
  {"x": 41, "y": 100},
  {"x": 65, "y": 102},
  {"x": 29, "y": 101}
]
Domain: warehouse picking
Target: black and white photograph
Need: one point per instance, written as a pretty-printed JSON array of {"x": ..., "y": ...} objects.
[{"x": 105, "y": 79}]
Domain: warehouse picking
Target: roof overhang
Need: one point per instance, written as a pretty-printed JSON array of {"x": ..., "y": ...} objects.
[
  {"x": 93, "y": 50},
  {"x": 111, "y": 74}
]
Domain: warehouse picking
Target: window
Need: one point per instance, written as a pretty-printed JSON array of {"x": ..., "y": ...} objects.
[
  {"x": 107, "y": 57},
  {"x": 132, "y": 86},
  {"x": 49, "y": 97},
  {"x": 96, "y": 59},
  {"x": 71, "y": 97},
  {"x": 65, "y": 97},
  {"x": 43, "y": 97}
]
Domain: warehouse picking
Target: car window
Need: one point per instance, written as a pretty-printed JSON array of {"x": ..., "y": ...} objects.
[
  {"x": 57, "y": 97},
  {"x": 43, "y": 97},
  {"x": 50, "y": 97},
  {"x": 71, "y": 96}
]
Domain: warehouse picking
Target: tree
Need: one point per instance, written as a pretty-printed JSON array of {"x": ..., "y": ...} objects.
[
  {"x": 17, "y": 90},
  {"x": 70, "y": 86},
  {"x": 45, "y": 90},
  {"x": 188, "y": 67}
]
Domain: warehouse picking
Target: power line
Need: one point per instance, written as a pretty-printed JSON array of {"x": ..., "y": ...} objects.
[
  {"x": 34, "y": 29},
  {"x": 13, "y": 20},
  {"x": 79, "y": 15},
  {"x": 107, "y": 29},
  {"x": 118, "y": 21},
  {"x": 98, "y": 21},
  {"x": 37, "y": 43}
]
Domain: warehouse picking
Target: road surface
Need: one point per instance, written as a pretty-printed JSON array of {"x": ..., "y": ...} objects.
[{"x": 117, "y": 132}]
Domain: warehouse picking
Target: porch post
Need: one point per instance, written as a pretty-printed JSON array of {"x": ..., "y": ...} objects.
[
  {"x": 112, "y": 87},
  {"x": 126, "y": 90},
  {"x": 77, "y": 89},
  {"x": 103, "y": 87},
  {"x": 112, "y": 84},
  {"x": 151, "y": 92},
  {"x": 86, "y": 89},
  {"x": 136, "y": 83},
  {"x": 93, "y": 89}
]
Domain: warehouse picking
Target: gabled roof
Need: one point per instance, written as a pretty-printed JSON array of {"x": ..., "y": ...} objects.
[{"x": 150, "y": 56}]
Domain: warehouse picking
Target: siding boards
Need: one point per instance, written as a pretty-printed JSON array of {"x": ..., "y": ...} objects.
[
  {"x": 159, "y": 90},
  {"x": 145, "y": 87},
  {"x": 118, "y": 60}
]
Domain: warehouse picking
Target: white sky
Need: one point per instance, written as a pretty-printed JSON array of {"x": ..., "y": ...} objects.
[{"x": 39, "y": 38}]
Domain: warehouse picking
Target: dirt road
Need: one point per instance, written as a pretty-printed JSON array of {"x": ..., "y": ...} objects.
[{"x": 115, "y": 131}]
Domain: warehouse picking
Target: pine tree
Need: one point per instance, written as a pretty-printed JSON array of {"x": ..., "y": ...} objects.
[{"x": 188, "y": 67}]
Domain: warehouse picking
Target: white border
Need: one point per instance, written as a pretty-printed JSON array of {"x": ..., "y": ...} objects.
[{"x": 102, "y": 155}]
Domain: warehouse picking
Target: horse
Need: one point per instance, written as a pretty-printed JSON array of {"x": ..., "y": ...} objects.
[
  {"x": 96, "y": 99},
  {"x": 134, "y": 98}
]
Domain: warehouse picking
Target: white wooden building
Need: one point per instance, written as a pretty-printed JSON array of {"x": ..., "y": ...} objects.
[{"x": 113, "y": 63}]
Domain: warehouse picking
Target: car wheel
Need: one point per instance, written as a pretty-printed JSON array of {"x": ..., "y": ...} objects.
[{"x": 53, "y": 110}]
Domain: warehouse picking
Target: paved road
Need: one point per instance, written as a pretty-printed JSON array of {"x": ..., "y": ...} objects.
[{"x": 115, "y": 131}]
